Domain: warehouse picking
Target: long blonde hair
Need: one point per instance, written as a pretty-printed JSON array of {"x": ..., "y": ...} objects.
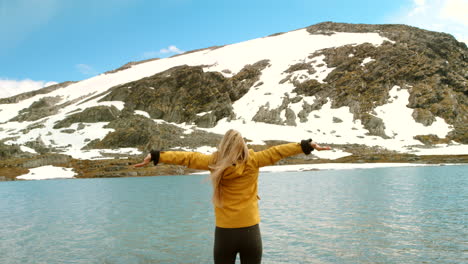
[{"x": 231, "y": 150}]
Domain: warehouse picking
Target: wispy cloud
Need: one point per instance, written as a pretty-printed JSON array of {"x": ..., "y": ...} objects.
[
  {"x": 13, "y": 87},
  {"x": 448, "y": 16},
  {"x": 86, "y": 69},
  {"x": 171, "y": 49},
  {"x": 162, "y": 52}
]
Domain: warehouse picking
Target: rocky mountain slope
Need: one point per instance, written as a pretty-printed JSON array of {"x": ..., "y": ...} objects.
[{"x": 380, "y": 88}]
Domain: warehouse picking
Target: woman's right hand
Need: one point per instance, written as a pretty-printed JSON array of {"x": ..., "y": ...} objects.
[{"x": 144, "y": 163}]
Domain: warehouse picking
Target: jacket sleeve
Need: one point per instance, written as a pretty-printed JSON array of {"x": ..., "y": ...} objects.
[
  {"x": 193, "y": 160},
  {"x": 274, "y": 154}
]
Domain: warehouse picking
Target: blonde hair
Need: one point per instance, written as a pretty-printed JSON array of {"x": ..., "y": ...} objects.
[{"x": 231, "y": 150}]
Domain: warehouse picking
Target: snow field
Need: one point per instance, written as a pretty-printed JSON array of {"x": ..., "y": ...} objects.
[{"x": 282, "y": 51}]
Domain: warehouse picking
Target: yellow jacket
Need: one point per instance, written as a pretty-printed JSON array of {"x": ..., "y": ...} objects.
[{"x": 239, "y": 183}]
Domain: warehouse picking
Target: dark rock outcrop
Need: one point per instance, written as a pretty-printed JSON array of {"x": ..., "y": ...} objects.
[
  {"x": 33, "y": 126},
  {"x": 431, "y": 139},
  {"x": 301, "y": 66},
  {"x": 90, "y": 115},
  {"x": 423, "y": 116},
  {"x": 49, "y": 159},
  {"x": 9, "y": 151},
  {"x": 39, "y": 146},
  {"x": 44, "y": 107},
  {"x": 180, "y": 93},
  {"x": 144, "y": 133},
  {"x": 273, "y": 116},
  {"x": 374, "y": 125}
]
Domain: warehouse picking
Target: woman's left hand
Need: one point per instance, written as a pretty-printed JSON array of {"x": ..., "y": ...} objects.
[
  {"x": 319, "y": 148},
  {"x": 144, "y": 163}
]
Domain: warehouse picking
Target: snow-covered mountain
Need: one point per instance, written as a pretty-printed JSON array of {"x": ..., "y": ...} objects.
[{"x": 396, "y": 87}]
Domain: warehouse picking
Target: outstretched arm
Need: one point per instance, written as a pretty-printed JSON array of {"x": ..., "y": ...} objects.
[
  {"x": 319, "y": 148},
  {"x": 193, "y": 160},
  {"x": 145, "y": 162},
  {"x": 272, "y": 155}
]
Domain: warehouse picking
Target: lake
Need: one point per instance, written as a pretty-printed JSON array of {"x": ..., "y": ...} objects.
[{"x": 384, "y": 215}]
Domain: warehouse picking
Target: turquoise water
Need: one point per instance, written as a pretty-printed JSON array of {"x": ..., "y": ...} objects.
[{"x": 390, "y": 215}]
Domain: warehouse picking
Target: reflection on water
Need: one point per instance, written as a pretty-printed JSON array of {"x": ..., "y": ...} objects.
[{"x": 393, "y": 215}]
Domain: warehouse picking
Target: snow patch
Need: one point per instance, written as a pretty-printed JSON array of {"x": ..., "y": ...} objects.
[
  {"x": 27, "y": 149},
  {"x": 331, "y": 154},
  {"x": 142, "y": 113},
  {"x": 203, "y": 113},
  {"x": 203, "y": 149},
  {"x": 100, "y": 154},
  {"x": 399, "y": 122},
  {"x": 366, "y": 60},
  {"x": 48, "y": 172},
  {"x": 118, "y": 104}
]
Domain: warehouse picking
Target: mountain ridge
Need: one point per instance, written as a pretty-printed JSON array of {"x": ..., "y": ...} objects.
[{"x": 340, "y": 84}]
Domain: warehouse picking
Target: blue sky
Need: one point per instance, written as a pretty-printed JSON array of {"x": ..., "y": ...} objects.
[{"x": 60, "y": 40}]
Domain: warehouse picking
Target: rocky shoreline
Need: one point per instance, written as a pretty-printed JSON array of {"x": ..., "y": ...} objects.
[{"x": 123, "y": 166}]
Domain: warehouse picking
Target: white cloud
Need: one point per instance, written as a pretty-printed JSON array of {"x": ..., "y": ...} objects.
[
  {"x": 456, "y": 10},
  {"x": 10, "y": 88},
  {"x": 449, "y": 16},
  {"x": 171, "y": 49},
  {"x": 86, "y": 69},
  {"x": 162, "y": 52}
]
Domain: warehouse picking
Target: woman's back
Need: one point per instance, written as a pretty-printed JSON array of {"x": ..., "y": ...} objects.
[
  {"x": 239, "y": 192},
  {"x": 239, "y": 186}
]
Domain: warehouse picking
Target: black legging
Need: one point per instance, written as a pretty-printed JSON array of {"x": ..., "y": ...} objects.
[{"x": 246, "y": 241}]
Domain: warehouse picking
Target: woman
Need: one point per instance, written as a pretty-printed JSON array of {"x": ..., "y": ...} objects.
[{"x": 234, "y": 175}]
